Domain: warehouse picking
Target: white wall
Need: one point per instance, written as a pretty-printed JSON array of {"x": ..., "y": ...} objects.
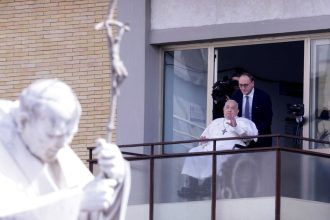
[
  {"x": 193, "y": 13},
  {"x": 304, "y": 210},
  {"x": 262, "y": 208}
]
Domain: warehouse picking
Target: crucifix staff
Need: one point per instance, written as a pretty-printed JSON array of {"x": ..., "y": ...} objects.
[{"x": 118, "y": 73}]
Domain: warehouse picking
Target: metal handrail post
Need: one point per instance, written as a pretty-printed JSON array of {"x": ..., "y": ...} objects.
[
  {"x": 278, "y": 185},
  {"x": 151, "y": 184},
  {"x": 214, "y": 174}
]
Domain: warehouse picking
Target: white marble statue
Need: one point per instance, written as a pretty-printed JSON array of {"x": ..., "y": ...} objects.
[{"x": 40, "y": 175}]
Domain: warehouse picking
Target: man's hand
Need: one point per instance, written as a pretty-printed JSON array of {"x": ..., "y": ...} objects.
[
  {"x": 110, "y": 160},
  {"x": 202, "y": 141},
  {"x": 232, "y": 122}
]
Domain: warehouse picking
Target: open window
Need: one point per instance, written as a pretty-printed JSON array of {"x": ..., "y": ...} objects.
[{"x": 278, "y": 69}]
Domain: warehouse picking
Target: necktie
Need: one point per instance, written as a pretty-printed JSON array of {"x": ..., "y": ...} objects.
[{"x": 247, "y": 108}]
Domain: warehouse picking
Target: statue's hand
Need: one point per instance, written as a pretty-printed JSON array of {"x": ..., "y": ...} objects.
[
  {"x": 99, "y": 195},
  {"x": 110, "y": 160}
]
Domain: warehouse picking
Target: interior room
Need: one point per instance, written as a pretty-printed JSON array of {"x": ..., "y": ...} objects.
[{"x": 277, "y": 69}]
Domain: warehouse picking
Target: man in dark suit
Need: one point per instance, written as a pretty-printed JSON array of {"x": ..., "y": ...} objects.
[{"x": 255, "y": 105}]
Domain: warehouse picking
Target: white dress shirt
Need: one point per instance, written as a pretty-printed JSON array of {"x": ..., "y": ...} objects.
[{"x": 250, "y": 103}]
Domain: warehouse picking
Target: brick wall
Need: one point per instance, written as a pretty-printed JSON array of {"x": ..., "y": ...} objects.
[{"x": 56, "y": 39}]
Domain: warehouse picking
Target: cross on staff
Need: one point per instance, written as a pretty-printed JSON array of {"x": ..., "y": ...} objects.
[{"x": 118, "y": 73}]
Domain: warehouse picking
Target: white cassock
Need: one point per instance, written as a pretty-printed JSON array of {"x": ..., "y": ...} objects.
[
  {"x": 323, "y": 132},
  {"x": 31, "y": 190},
  {"x": 200, "y": 167}
]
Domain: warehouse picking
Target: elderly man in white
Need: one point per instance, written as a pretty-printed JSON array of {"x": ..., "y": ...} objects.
[
  {"x": 200, "y": 167},
  {"x": 40, "y": 175}
]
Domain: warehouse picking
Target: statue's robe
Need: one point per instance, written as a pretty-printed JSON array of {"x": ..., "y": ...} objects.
[{"x": 32, "y": 190}]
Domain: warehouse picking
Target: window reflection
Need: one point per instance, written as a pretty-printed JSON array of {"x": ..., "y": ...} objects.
[
  {"x": 185, "y": 96},
  {"x": 320, "y": 78}
]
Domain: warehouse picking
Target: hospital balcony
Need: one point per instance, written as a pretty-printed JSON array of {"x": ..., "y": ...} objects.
[{"x": 278, "y": 182}]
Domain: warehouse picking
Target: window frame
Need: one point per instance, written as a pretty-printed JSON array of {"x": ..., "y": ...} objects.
[{"x": 211, "y": 46}]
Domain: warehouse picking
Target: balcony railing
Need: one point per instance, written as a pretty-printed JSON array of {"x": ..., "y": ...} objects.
[{"x": 279, "y": 182}]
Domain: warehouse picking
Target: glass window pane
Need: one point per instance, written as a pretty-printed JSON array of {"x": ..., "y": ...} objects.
[
  {"x": 171, "y": 201},
  {"x": 185, "y": 92},
  {"x": 305, "y": 181},
  {"x": 320, "y": 90},
  {"x": 246, "y": 182},
  {"x": 138, "y": 203}
]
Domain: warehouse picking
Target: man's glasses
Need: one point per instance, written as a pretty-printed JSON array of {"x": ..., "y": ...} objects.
[{"x": 244, "y": 85}]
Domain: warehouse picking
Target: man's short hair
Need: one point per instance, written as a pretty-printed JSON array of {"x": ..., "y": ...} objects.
[
  {"x": 233, "y": 101},
  {"x": 248, "y": 75}
]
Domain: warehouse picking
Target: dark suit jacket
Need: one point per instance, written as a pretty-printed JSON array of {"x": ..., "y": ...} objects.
[{"x": 262, "y": 113}]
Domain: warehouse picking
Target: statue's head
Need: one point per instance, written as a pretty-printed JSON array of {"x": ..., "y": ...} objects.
[{"x": 47, "y": 117}]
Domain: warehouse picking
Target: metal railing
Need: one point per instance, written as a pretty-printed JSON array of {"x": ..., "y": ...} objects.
[{"x": 151, "y": 155}]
